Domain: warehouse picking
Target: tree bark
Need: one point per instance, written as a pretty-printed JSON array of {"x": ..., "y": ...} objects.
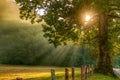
[{"x": 104, "y": 58}]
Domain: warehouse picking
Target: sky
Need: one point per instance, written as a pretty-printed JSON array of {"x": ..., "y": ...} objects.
[{"x": 10, "y": 11}]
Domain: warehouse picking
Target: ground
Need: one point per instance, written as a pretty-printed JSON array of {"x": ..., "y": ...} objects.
[{"x": 42, "y": 73}]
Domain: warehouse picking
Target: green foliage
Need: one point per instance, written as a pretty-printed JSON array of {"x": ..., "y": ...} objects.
[
  {"x": 21, "y": 43},
  {"x": 63, "y": 18}
]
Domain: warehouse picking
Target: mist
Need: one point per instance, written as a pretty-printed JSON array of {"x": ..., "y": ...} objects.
[{"x": 22, "y": 43}]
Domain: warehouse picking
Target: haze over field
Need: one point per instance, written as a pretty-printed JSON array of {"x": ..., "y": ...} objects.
[
  {"x": 9, "y": 10},
  {"x": 23, "y": 43}
]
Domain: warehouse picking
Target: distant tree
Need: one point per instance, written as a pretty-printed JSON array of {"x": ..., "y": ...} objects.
[
  {"x": 20, "y": 44},
  {"x": 65, "y": 23}
]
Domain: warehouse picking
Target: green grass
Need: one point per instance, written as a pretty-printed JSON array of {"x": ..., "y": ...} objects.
[
  {"x": 95, "y": 76},
  {"x": 98, "y": 76},
  {"x": 42, "y": 73}
]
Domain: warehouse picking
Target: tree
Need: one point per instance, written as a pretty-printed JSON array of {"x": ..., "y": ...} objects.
[{"x": 65, "y": 23}]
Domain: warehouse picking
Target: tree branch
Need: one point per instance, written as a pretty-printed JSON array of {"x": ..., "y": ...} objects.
[
  {"x": 114, "y": 16},
  {"x": 116, "y": 9},
  {"x": 113, "y": 5}
]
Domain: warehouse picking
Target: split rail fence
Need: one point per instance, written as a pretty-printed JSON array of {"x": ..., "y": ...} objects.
[{"x": 86, "y": 71}]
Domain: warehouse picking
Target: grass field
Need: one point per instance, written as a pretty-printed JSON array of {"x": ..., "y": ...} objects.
[
  {"x": 41, "y": 73},
  {"x": 31, "y": 73},
  {"x": 25, "y": 72}
]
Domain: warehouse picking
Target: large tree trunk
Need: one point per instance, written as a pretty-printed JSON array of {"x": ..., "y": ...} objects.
[{"x": 104, "y": 59}]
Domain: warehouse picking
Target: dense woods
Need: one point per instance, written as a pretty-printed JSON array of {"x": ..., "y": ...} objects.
[{"x": 24, "y": 44}]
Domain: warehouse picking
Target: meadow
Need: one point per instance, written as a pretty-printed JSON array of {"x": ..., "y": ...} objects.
[
  {"x": 43, "y": 73},
  {"x": 31, "y": 73}
]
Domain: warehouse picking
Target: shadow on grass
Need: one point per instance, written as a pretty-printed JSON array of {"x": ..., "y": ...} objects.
[
  {"x": 98, "y": 76},
  {"x": 58, "y": 77}
]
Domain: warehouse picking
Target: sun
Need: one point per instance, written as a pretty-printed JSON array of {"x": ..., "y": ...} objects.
[{"x": 87, "y": 18}]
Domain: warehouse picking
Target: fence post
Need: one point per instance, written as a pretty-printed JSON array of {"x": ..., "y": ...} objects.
[
  {"x": 73, "y": 74},
  {"x": 88, "y": 70},
  {"x": 19, "y": 78},
  {"x": 91, "y": 69},
  {"x": 53, "y": 74},
  {"x": 66, "y": 74},
  {"x": 85, "y": 68},
  {"x": 82, "y": 73}
]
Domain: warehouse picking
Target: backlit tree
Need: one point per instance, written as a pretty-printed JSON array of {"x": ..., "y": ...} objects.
[{"x": 92, "y": 22}]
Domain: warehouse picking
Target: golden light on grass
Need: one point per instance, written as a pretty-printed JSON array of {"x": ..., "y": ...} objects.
[{"x": 31, "y": 73}]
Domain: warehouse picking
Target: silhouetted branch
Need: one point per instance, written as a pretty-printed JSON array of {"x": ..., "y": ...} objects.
[
  {"x": 116, "y": 9},
  {"x": 113, "y": 16}
]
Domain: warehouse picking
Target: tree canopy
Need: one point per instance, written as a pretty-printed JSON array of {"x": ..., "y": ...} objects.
[{"x": 65, "y": 18}]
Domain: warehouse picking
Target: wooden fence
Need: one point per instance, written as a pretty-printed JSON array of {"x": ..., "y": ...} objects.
[{"x": 86, "y": 71}]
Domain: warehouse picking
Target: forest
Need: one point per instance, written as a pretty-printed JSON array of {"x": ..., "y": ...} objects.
[{"x": 62, "y": 36}]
